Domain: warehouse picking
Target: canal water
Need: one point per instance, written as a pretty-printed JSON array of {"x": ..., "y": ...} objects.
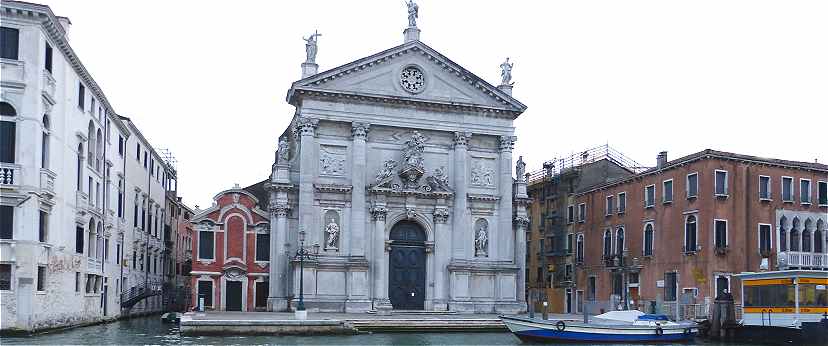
[{"x": 151, "y": 331}]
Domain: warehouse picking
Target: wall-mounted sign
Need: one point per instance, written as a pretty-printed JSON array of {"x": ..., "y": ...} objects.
[{"x": 660, "y": 283}]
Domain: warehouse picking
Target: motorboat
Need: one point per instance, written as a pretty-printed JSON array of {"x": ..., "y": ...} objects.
[{"x": 614, "y": 326}]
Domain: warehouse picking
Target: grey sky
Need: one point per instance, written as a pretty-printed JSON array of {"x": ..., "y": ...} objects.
[{"x": 207, "y": 79}]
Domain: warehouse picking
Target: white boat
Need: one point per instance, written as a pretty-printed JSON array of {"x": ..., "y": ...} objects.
[{"x": 614, "y": 326}]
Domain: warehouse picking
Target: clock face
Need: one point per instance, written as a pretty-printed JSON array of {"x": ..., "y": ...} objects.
[{"x": 412, "y": 79}]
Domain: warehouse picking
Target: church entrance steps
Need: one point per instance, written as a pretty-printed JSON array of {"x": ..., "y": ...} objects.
[{"x": 416, "y": 312}]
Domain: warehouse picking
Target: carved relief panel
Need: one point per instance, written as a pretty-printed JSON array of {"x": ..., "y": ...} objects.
[
  {"x": 482, "y": 172},
  {"x": 332, "y": 160}
]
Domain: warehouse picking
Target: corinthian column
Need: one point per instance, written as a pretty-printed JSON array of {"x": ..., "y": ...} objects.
[
  {"x": 279, "y": 258},
  {"x": 521, "y": 223},
  {"x": 358, "y": 207},
  {"x": 380, "y": 274},
  {"x": 460, "y": 226},
  {"x": 505, "y": 236},
  {"x": 308, "y": 158},
  {"x": 442, "y": 257}
]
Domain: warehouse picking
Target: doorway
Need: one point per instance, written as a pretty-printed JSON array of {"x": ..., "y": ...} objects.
[
  {"x": 407, "y": 269},
  {"x": 234, "y": 296}
]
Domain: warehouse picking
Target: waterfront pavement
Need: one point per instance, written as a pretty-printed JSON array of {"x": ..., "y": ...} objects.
[{"x": 219, "y": 322}]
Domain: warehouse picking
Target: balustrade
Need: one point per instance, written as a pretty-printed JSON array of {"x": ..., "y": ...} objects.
[{"x": 9, "y": 174}]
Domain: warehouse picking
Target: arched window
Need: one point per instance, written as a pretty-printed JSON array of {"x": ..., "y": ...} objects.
[
  {"x": 649, "y": 235},
  {"x": 690, "y": 244},
  {"x": 99, "y": 241},
  {"x": 8, "y": 130},
  {"x": 90, "y": 155},
  {"x": 579, "y": 249},
  {"x": 819, "y": 237},
  {"x": 98, "y": 150},
  {"x": 44, "y": 150},
  {"x": 607, "y": 243},
  {"x": 619, "y": 241},
  {"x": 80, "y": 166},
  {"x": 806, "y": 235},
  {"x": 795, "y": 235},
  {"x": 91, "y": 238},
  {"x": 783, "y": 234}
]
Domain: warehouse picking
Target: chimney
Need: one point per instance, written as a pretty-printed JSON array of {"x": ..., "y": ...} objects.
[{"x": 661, "y": 159}]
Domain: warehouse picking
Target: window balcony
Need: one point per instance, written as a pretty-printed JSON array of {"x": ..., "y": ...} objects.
[
  {"x": 801, "y": 260},
  {"x": 49, "y": 85},
  {"x": 10, "y": 174},
  {"x": 47, "y": 182},
  {"x": 14, "y": 72},
  {"x": 81, "y": 201},
  {"x": 93, "y": 265}
]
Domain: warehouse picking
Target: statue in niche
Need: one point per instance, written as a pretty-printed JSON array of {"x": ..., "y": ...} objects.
[
  {"x": 481, "y": 239},
  {"x": 311, "y": 48},
  {"x": 412, "y": 13},
  {"x": 332, "y": 229},
  {"x": 506, "y": 72},
  {"x": 520, "y": 168},
  {"x": 283, "y": 150},
  {"x": 439, "y": 181}
]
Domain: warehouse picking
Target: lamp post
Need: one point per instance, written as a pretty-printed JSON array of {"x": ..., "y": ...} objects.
[{"x": 302, "y": 253}]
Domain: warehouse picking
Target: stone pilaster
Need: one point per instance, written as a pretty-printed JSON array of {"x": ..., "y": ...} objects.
[
  {"x": 309, "y": 153},
  {"x": 461, "y": 230},
  {"x": 505, "y": 236},
  {"x": 442, "y": 257},
  {"x": 381, "y": 302},
  {"x": 358, "y": 209}
]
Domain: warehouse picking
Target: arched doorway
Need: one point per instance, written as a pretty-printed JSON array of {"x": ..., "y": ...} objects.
[{"x": 407, "y": 267}]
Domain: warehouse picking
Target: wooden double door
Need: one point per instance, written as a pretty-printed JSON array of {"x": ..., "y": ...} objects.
[{"x": 407, "y": 267}]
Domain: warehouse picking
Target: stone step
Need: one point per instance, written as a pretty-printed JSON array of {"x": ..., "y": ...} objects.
[{"x": 416, "y": 312}]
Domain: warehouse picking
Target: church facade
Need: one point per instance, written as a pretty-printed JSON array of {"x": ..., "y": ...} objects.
[{"x": 395, "y": 173}]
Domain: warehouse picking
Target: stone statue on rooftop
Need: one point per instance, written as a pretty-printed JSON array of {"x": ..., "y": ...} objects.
[
  {"x": 412, "y": 13},
  {"x": 506, "y": 72},
  {"x": 311, "y": 48},
  {"x": 520, "y": 168}
]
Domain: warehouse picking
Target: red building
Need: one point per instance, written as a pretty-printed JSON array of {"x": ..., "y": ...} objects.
[
  {"x": 231, "y": 253},
  {"x": 677, "y": 232}
]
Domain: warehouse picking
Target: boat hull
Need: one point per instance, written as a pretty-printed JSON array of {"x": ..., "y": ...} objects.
[{"x": 529, "y": 330}]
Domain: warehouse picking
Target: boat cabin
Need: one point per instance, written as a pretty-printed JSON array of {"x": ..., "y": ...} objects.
[{"x": 784, "y": 298}]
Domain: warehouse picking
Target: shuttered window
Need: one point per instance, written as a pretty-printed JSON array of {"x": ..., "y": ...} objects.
[{"x": 9, "y": 41}]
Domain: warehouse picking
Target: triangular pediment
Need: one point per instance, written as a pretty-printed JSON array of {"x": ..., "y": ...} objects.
[{"x": 434, "y": 79}]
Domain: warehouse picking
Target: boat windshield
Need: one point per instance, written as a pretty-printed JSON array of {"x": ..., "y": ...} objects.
[{"x": 769, "y": 296}]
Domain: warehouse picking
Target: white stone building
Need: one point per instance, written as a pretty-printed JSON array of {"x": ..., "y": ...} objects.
[
  {"x": 68, "y": 179},
  {"x": 398, "y": 169}
]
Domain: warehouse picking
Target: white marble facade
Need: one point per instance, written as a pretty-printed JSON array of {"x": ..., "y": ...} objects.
[{"x": 405, "y": 135}]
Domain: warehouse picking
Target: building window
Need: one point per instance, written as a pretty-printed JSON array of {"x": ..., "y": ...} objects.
[
  {"x": 692, "y": 185},
  {"x": 622, "y": 202},
  {"x": 205, "y": 290},
  {"x": 670, "y": 286},
  {"x": 121, "y": 145},
  {"x": 720, "y": 229},
  {"x": 806, "y": 239},
  {"x": 649, "y": 196},
  {"x": 48, "y": 58},
  {"x": 721, "y": 183},
  {"x": 145, "y": 160},
  {"x": 783, "y": 235},
  {"x": 92, "y": 106},
  {"x": 6, "y": 222},
  {"x": 41, "y": 278},
  {"x": 262, "y": 288},
  {"x": 607, "y": 243},
  {"x": 619, "y": 241},
  {"x": 764, "y": 187},
  {"x": 77, "y": 281},
  {"x": 5, "y": 277},
  {"x": 579, "y": 249},
  {"x": 570, "y": 214},
  {"x": 138, "y": 151},
  {"x": 8, "y": 133},
  {"x": 610, "y": 206},
  {"x": 80, "y": 167},
  {"x": 79, "y": 240},
  {"x": 582, "y": 212},
  {"x": 690, "y": 244},
  {"x": 649, "y": 235},
  {"x": 43, "y": 229},
  {"x": 819, "y": 233},
  {"x": 667, "y": 191},
  {"x": 787, "y": 189},
  {"x": 822, "y": 193},
  {"x": 10, "y": 44},
  {"x": 121, "y": 198},
  {"x": 591, "y": 288},
  {"x": 81, "y": 96},
  {"x": 262, "y": 247},
  {"x": 805, "y": 191},
  {"x": 205, "y": 245},
  {"x": 569, "y": 244},
  {"x": 764, "y": 239}
]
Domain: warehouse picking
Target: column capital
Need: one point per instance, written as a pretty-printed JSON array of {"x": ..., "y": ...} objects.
[
  {"x": 507, "y": 143},
  {"x": 360, "y": 130},
  {"x": 521, "y": 222},
  {"x": 441, "y": 215},
  {"x": 280, "y": 210},
  {"x": 307, "y": 126},
  {"x": 378, "y": 212},
  {"x": 461, "y": 139}
]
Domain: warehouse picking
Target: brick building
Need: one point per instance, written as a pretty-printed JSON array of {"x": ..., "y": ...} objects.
[
  {"x": 677, "y": 232},
  {"x": 232, "y": 252}
]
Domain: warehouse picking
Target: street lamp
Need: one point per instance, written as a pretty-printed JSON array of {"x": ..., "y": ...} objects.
[{"x": 301, "y": 254}]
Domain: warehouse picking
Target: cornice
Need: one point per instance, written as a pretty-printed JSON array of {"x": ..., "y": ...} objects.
[{"x": 336, "y": 188}]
